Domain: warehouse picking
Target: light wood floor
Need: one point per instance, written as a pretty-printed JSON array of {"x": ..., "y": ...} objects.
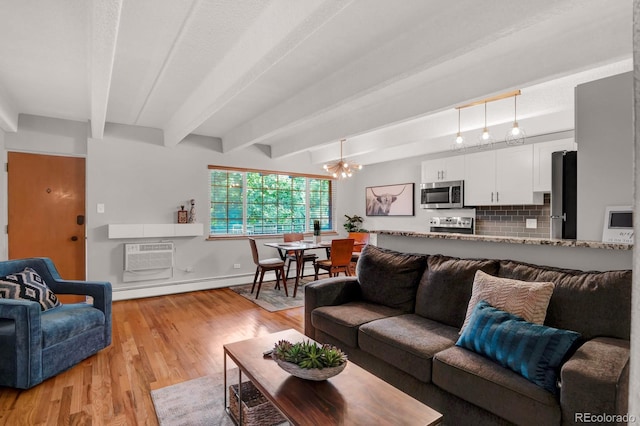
[{"x": 157, "y": 342}]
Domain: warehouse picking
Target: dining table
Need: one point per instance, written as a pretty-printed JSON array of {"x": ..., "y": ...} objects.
[{"x": 298, "y": 248}]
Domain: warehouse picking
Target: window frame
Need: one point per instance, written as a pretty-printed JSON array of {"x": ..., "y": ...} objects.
[{"x": 245, "y": 171}]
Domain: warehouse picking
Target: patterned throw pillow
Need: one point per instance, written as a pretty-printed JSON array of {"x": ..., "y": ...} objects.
[
  {"x": 525, "y": 299},
  {"x": 28, "y": 285},
  {"x": 534, "y": 351}
]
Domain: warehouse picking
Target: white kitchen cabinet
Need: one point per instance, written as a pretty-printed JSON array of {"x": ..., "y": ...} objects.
[
  {"x": 542, "y": 161},
  {"x": 443, "y": 169},
  {"x": 479, "y": 178},
  {"x": 500, "y": 177}
]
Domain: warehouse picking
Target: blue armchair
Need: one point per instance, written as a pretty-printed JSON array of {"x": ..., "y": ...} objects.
[{"x": 35, "y": 344}]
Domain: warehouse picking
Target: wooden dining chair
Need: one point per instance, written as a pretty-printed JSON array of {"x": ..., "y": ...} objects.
[
  {"x": 360, "y": 239},
  {"x": 272, "y": 264},
  {"x": 339, "y": 259},
  {"x": 290, "y": 255}
]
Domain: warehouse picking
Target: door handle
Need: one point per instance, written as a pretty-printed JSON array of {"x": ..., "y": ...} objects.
[
  {"x": 74, "y": 238},
  {"x": 497, "y": 197},
  {"x": 492, "y": 197}
]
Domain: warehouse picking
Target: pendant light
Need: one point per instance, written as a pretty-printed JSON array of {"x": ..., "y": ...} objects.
[
  {"x": 459, "y": 141},
  {"x": 341, "y": 169},
  {"x": 485, "y": 140},
  {"x": 515, "y": 136}
]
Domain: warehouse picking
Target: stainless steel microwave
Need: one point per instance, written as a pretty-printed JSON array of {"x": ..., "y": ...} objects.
[{"x": 442, "y": 195}]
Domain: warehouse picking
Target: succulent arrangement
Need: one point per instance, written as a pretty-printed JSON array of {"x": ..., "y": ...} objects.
[{"x": 308, "y": 354}]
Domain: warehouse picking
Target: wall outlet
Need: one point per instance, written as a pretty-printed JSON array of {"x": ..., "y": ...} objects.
[
  {"x": 532, "y": 223},
  {"x": 188, "y": 269},
  {"x": 236, "y": 266}
]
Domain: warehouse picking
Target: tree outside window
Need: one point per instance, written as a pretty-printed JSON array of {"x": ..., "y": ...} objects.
[{"x": 264, "y": 203}]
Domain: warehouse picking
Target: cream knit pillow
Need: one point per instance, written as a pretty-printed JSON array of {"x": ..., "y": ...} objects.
[{"x": 528, "y": 300}]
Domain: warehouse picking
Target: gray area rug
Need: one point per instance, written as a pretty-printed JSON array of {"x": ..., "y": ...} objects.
[
  {"x": 274, "y": 300},
  {"x": 197, "y": 402},
  {"x": 194, "y": 402}
]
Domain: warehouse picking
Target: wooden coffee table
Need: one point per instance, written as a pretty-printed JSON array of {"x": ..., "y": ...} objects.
[{"x": 353, "y": 397}]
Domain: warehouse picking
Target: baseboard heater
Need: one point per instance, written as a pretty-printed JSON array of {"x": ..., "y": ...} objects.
[{"x": 148, "y": 261}]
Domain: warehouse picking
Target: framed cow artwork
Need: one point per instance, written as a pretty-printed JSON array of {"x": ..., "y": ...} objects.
[{"x": 390, "y": 200}]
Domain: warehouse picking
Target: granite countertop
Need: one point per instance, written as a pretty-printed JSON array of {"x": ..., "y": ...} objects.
[{"x": 508, "y": 240}]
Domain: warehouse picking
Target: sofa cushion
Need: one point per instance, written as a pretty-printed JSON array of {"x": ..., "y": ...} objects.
[
  {"x": 28, "y": 285},
  {"x": 532, "y": 350},
  {"x": 68, "y": 321},
  {"x": 342, "y": 321},
  {"x": 445, "y": 287},
  {"x": 407, "y": 342},
  {"x": 389, "y": 277},
  {"x": 482, "y": 382},
  {"x": 528, "y": 300},
  {"x": 600, "y": 302}
]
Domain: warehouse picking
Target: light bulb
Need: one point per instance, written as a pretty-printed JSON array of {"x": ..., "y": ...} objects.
[
  {"x": 515, "y": 131},
  {"x": 359, "y": 166},
  {"x": 335, "y": 175},
  {"x": 346, "y": 165},
  {"x": 485, "y": 134},
  {"x": 344, "y": 174},
  {"x": 326, "y": 167},
  {"x": 459, "y": 138}
]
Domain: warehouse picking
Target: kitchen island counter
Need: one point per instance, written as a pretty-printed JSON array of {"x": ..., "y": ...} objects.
[
  {"x": 509, "y": 240},
  {"x": 582, "y": 255}
]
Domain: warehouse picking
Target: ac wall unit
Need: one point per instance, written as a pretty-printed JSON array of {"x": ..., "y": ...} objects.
[{"x": 148, "y": 256}]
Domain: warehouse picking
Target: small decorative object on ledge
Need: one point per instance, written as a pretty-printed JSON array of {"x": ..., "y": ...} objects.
[
  {"x": 316, "y": 231},
  {"x": 308, "y": 360},
  {"x": 182, "y": 215},
  {"x": 192, "y": 211}
]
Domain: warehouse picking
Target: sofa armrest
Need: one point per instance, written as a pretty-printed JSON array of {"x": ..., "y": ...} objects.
[
  {"x": 328, "y": 292},
  {"x": 27, "y": 356},
  {"x": 595, "y": 380},
  {"x": 100, "y": 291}
]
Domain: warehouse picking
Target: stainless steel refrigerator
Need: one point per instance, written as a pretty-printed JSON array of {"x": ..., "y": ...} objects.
[{"x": 564, "y": 178}]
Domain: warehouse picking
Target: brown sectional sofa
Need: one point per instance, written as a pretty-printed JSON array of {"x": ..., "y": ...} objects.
[{"x": 401, "y": 317}]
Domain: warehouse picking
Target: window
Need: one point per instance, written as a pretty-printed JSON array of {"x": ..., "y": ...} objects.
[{"x": 262, "y": 202}]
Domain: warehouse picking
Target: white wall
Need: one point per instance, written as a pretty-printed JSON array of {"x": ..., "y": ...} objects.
[
  {"x": 634, "y": 373},
  {"x": 48, "y": 136},
  {"x": 604, "y": 133},
  {"x": 351, "y": 197},
  {"x": 139, "y": 180},
  {"x": 4, "y": 255}
]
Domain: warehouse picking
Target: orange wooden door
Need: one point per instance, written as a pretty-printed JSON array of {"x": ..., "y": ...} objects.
[{"x": 46, "y": 200}]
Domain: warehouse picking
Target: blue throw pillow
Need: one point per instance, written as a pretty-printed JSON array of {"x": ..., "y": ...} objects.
[{"x": 532, "y": 350}]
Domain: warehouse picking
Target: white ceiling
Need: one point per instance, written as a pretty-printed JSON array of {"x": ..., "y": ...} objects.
[{"x": 297, "y": 76}]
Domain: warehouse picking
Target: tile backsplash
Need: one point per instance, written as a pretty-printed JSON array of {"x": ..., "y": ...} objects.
[{"x": 510, "y": 221}]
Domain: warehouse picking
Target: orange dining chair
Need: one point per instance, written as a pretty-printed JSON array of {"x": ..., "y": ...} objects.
[
  {"x": 339, "y": 258},
  {"x": 290, "y": 255},
  {"x": 360, "y": 239},
  {"x": 272, "y": 264}
]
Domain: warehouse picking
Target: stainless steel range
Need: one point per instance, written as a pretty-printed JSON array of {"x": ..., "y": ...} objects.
[{"x": 452, "y": 225}]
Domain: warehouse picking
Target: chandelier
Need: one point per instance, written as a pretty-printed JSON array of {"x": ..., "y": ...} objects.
[{"x": 342, "y": 169}]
